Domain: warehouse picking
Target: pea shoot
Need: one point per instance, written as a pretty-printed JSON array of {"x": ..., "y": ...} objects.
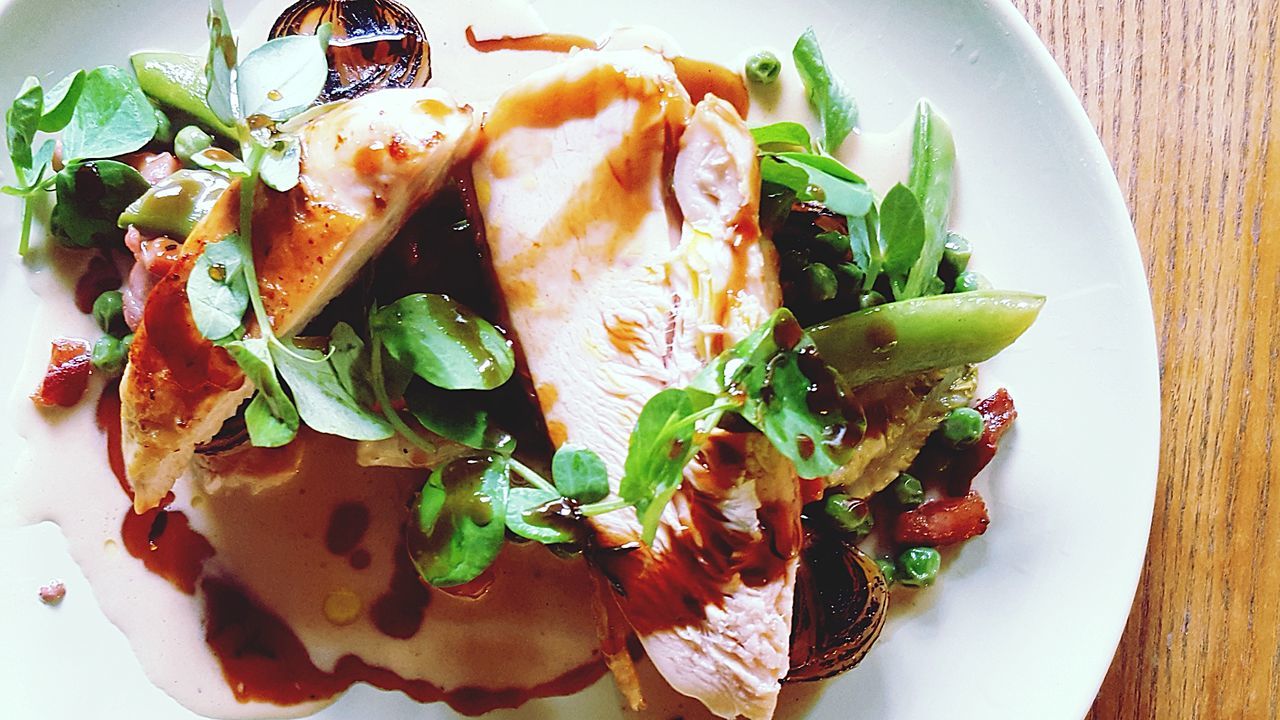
[{"x": 763, "y": 68}]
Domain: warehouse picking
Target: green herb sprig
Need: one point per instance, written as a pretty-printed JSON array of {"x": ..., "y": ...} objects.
[{"x": 102, "y": 114}]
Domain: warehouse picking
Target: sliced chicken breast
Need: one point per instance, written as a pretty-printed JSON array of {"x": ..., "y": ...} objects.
[
  {"x": 366, "y": 166},
  {"x": 618, "y": 287}
]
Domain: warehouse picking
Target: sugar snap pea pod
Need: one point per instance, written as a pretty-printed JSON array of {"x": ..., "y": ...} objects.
[
  {"x": 174, "y": 205},
  {"x": 178, "y": 81},
  {"x": 940, "y": 331}
]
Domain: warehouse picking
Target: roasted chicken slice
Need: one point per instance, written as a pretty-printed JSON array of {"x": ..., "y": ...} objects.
[
  {"x": 366, "y": 166},
  {"x": 617, "y": 287}
]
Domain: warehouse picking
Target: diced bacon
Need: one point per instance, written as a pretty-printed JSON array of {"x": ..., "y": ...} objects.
[
  {"x": 943, "y": 522},
  {"x": 67, "y": 377},
  {"x": 153, "y": 167},
  {"x": 998, "y": 414}
]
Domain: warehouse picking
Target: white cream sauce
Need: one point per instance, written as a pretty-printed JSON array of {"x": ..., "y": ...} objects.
[{"x": 272, "y": 542}]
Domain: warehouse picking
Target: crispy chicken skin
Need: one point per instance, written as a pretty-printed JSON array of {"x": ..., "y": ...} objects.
[
  {"x": 623, "y": 225},
  {"x": 366, "y": 166}
]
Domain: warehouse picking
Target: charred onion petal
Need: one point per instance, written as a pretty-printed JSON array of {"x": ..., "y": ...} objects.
[
  {"x": 376, "y": 44},
  {"x": 841, "y": 601}
]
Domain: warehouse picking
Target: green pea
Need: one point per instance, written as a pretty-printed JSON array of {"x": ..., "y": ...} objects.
[
  {"x": 109, "y": 355},
  {"x": 870, "y": 299},
  {"x": 969, "y": 281},
  {"x": 834, "y": 243},
  {"x": 908, "y": 490},
  {"x": 851, "y": 278},
  {"x": 887, "y": 569},
  {"x": 956, "y": 253},
  {"x": 918, "y": 566},
  {"x": 850, "y": 514},
  {"x": 763, "y": 68},
  {"x": 189, "y": 141},
  {"x": 108, "y": 312},
  {"x": 820, "y": 282},
  {"x": 962, "y": 427}
]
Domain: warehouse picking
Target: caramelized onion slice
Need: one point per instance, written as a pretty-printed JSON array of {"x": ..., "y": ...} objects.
[
  {"x": 841, "y": 602},
  {"x": 376, "y": 44}
]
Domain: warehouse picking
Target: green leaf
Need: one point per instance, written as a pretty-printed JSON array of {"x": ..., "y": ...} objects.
[
  {"x": 661, "y": 446},
  {"x": 933, "y": 156},
  {"x": 112, "y": 117},
  {"x": 525, "y": 519},
  {"x": 222, "y": 58},
  {"x": 788, "y": 393},
  {"x": 60, "y": 102},
  {"x": 324, "y": 402},
  {"x": 837, "y": 112},
  {"x": 782, "y": 136},
  {"x": 22, "y": 121},
  {"x": 902, "y": 228},
  {"x": 271, "y": 418},
  {"x": 459, "y": 520},
  {"x": 43, "y": 160},
  {"x": 446, "y": 344},
  {"x": 218, "y": 290},
  {"x": 91, "y": 195},
  {"x": 282, "y": 165},
  {"x": 282, "y": 78},
  {"x": 580, "y": 474},
  {"x": 843, "y": 192},
  {"x": 458, "y": 415}
]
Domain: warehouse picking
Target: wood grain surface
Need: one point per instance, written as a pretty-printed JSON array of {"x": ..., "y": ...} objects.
[{"x": 1183, "y": 95}]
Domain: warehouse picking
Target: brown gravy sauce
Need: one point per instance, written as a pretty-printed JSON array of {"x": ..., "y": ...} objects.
[
  {"x": 699, "y": 77},
  {"x": 674, "y": 588},
  {"x": 262, "y": 658}
]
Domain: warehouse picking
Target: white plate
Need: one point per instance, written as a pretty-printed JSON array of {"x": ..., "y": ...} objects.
[{"x": 1025, "y": 619}]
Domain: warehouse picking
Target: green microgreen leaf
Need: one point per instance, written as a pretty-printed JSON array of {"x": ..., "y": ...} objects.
[
  {"x": 282, "y": 165},
  {"x": 903, "y": 230},
  {"x": 60, "y": 102},
  {"x": 112, "y": 117},
  {"x": 457, "y": 415},
  {"x": 218, "y": 290},
  {"x": 91, "y": 195},
  {"x": 788, "y": 393},
  {"x": 661, "y": 445},
  {"x": 21, "y": 121},
  {"x": 837, "y": 111},
  {"x": 271, "y": 418},
  {"x": 324, "y": 401},
  {"x": 283, "y": 77},
  {"x": 841, "y": 190},
  {"x": 580, "y": 474},
  {"x": 933, "y": 155},
  {"x": 446, "y": 344},
  {"x": 459, "y": 520},
  {"x": 222, "y": 59},
  {"x": 526, "y": 517},
  {"x": 783, "y": 137}
]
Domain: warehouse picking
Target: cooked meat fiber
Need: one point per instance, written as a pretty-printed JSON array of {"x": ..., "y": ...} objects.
[
  {"x": 366, "y": 166},
  {"x": 623, "y": 225}
]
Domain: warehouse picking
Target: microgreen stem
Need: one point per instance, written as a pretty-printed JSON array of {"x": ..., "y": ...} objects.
[
  {"x": 384, "y": 400},
  {"x": 248, "y": 192},
  {"x": 602, "y": 507},
  {"x": 24, "y": 243},
  {"x": 532, "y": 476}
]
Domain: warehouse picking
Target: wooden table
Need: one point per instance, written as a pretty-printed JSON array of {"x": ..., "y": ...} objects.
[{"x": 1183, "y": 94}]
